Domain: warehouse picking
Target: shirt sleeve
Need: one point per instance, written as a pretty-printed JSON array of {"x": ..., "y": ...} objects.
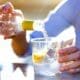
[{"x": 61, "y": 19}]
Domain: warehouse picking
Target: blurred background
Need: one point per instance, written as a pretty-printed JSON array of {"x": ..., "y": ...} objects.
[{"x": 34, "y": 9}]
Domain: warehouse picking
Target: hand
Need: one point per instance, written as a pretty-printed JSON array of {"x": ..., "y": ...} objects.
[
  {"x": 69, "y": 58},
  {"x": 9, "y": 20}
]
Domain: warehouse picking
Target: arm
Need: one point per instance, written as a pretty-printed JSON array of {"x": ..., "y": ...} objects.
[
  {"x": 61, "y": 19},
  {"x": 71, "y": 55}
]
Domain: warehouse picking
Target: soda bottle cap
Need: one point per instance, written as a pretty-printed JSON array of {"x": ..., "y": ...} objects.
[{"x": 27, "y": 25}]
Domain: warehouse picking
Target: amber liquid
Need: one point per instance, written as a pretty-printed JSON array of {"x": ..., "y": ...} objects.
[{"x": 38, "y": 58}]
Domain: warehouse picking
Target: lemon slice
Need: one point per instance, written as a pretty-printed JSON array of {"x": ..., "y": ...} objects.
[{"x": 27, "y": 25}]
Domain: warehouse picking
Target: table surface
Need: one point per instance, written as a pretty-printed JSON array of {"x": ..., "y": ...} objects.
[
  {"x": 61, "y": 76},
  {"x": 58, "y": 76}
]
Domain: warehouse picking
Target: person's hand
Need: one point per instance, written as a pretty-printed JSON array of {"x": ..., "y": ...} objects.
[
  {"x": 69, "y": 59},
  {"x": 9, "y": 20}
]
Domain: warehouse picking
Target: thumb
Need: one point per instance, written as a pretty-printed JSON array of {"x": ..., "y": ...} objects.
[{"x": 67, "y": 51}]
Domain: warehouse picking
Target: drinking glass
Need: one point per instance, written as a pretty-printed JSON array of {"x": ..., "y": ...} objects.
[
  {"x": 39, "y": 50},
  {"x": 44, "y": 55}
]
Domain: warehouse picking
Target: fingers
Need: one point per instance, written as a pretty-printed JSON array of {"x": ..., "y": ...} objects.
[
  {"x": 7, "y": 11},
  {"x": 9, "y": 20},
  {"x": 17, "y": 13},
  {"x": 7, "y": 28},
  {"x": 70, "y": 57},
  {"x": 16, "y": 16},
  {"x": 70, "y": 66},
  {"x": 5, "y": 17},
  {"x": 11, "y": 16},
  {"x": 2, "y": 27},
  {"x": 6, "y": 8},
  {"x": 74, "y": 70},
  {"x": 67, "y": 51}
]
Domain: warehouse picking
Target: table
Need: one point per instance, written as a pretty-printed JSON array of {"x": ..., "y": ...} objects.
[
  {"x": 63, "y": 76},
  {"x": 58, "y": 76}
]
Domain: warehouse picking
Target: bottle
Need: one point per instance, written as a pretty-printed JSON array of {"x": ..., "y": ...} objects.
[
  {"x": 36, "y": 25},
  {"x": 32, "y": 25}
]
